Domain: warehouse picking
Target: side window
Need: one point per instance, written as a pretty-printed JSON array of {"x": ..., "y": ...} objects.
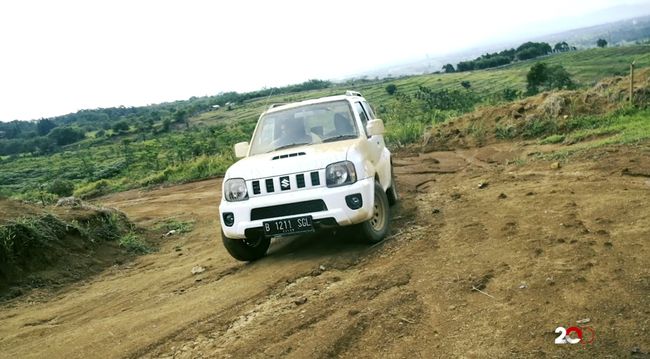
[
  {"x": 371, "y": 114},
  {"x": 362, "y": 115}
]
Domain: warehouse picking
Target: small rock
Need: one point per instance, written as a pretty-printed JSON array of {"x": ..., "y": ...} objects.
[
  {"x": 530, "y": 194},
  {"x": 435, "y": 210},
  {"x": 550, "y": 281},
  {"x": 353, "y": 312},
  {"x": 322, "y": 268},
  {"x": 197, "y": 270},
  {"x": 452, "y": 307},
  {"x": 523, "y": 285},
  {"x": 503, "y": 196},
  {"x": 555, "y": 165},
  {"x": 482, "y": 185},
  {"x": 170, "y": 233},
  {"x": 455, "y": 196},
  {"x": 583, "y": 321},
  {"x": 300, "y": 301}
]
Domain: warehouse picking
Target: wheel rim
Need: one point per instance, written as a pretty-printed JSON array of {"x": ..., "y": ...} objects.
[{"x": 378, "y": 217}]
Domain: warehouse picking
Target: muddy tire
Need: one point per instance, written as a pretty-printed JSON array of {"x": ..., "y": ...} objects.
[
  {"x": 246, "y": 250},
  {"x": 375, "y": 229},
  {"x": 393, "y": 196}
]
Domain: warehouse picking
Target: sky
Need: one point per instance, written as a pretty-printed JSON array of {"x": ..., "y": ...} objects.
[{"x": 58, "y": 57}]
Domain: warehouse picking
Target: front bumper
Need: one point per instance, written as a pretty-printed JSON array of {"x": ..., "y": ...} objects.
[{"x": 334, "y": 199}]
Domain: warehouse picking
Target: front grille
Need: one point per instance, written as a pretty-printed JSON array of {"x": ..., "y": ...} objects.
[
  {"x": 315, "y": 179},
  {"x": 300, "y": 180},
  {"x": 289, "y": 209},
  {"x": 286, "y": 183}
]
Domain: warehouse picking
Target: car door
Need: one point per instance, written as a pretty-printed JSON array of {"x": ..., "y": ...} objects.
[{"x": 375, "y": 143}]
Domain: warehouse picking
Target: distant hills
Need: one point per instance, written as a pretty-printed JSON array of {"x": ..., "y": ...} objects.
[{"x": 617, "y": 33}]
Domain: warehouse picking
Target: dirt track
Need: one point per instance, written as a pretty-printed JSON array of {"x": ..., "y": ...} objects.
[{"x": 479, "y": 272}]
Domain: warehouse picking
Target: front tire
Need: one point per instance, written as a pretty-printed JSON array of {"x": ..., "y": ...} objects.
[
  {"x": 246, "y": 250},
  {"x": 375, "y": 229}
]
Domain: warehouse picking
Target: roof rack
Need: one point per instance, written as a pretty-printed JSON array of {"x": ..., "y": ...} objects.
[
  {"x": 352, "y": 93},
  {"x": 274, "y": 105}
]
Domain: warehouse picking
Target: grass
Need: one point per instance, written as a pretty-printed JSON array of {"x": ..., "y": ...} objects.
[
  {"x": 172, "y": 224},
  {"x": 134, "y": 244},
  {"x": 552, "y": 139},
  {"x": 627, "y": 126}
]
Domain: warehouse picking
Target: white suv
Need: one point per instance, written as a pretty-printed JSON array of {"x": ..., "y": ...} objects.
[{"x": 311, "y": 165}]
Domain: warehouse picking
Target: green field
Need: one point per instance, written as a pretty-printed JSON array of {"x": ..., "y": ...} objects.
[{"x": 201, "y": 147}]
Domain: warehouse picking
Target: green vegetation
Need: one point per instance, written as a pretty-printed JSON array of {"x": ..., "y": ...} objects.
[
  {"x": 35, "y": 242},
  {"x": 526, "y": 51},
  {"x": 624, "y": 126},
  {"x": 134, "y": 244},
  {"x": 547, "y": 78},
  {"x": 172, "y": 224},
  {"x": 189, "y": 140}
]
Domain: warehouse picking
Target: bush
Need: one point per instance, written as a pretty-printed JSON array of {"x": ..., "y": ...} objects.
[
  {"x": 93, "y": 189},
  {"x": 134, "y": 244},
  {"x": 61, "y": 187},
  {"x": 537, "y": 128},
  {"x": 505, "y": 132},
  {"x": 391, "y": 89}
]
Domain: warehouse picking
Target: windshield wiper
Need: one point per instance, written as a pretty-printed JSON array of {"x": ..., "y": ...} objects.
[
  {"x": 339, "y": 137},
  {"x": 290, "y": 145}
]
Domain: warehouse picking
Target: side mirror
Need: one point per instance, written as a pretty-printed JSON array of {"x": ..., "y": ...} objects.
[
  {"x": 241, "y": 149},
  {"x": 375, "y": 127}
]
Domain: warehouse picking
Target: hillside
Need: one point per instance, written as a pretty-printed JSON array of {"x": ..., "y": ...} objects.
[{"x": 145, "y": 147}]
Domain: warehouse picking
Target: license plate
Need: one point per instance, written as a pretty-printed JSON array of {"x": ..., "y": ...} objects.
[{"x": 289, "y": 226}]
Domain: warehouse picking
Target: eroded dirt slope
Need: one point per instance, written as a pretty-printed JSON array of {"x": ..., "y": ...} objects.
[{"x": 488, "y": 256}]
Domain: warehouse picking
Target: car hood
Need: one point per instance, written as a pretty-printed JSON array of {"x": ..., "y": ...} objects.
[{"x": 290, "y": 160}]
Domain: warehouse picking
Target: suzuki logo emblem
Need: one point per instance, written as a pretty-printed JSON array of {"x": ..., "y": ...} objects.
[{"x": 284, "y": 183}]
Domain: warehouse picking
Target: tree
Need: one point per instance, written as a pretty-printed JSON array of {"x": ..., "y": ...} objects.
[
  {"x": 391, "y": 89},
  {"x": 601, "y": 43},
  {"x": 166, "y": 125},
  {"x": 179, "y": 116},
  {"x": 121, "y": 126},
  {"x": 449, "y": 68},
  {"x": 561, "y": 47},
  {"x": 44, "y": 126},
  {"x": 542, "y": 76},
  {"x": 66, "y": 135}
]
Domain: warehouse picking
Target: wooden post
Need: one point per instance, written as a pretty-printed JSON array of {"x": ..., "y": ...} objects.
[{"x": 632, "y": 84}]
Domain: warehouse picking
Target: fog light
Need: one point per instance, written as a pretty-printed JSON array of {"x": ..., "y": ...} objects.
[
  {"x": 354, "y": 201},
  {"x": 228, "y": 219}
]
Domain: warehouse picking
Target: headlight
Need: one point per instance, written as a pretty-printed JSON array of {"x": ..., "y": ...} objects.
[
  {"x": 235, "y": 190},
  {"x": 340, "y": 173}
]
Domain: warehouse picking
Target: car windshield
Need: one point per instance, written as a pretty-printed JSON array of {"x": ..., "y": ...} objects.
[{"x": 318, "y": 123}]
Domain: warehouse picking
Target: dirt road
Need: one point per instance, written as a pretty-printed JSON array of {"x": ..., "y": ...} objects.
[{"x": 491, "y": 251}]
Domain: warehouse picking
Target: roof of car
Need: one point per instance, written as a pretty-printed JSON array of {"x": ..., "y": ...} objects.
[{"x": 347, "y": 96}]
